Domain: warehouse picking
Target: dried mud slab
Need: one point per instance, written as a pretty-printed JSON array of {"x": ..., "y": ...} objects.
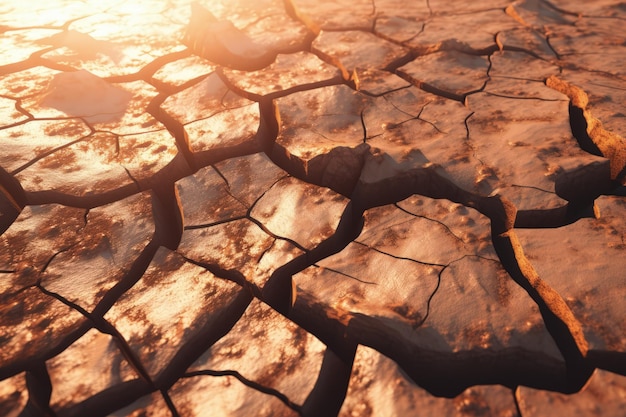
[
  {"x": 300, "y": 208},
  {"x": 288, "y": 73},
  {"x": 379, "y": 388},
  {"x": 107, "y": 368},
  {"x": 601, "y": 396},
  {"x": 581, "y": 289}
]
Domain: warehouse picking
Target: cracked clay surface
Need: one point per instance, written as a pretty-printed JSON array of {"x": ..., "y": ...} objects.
[{"x": 312, "y": 208}]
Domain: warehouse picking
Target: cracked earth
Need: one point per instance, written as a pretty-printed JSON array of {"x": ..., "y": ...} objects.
[{"x": 312, "y": 208}]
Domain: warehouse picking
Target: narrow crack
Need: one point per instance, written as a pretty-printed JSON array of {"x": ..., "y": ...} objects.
[
  {"x": 57, "y": 253},
  {"x": 249, "y": 383},
  {"x": 132, "y": 178},
  {"x": 336, "y": 271},
  {"x": 170, "y": 403},
  {"x": 489, "y": 93},
  {"x": 212, "y": 224},
  {"x": 277, "y": 237},
  {"x": 363, "y": 126},
  {"x": 517, "y": 401},
  {"x": 552, "y": 48},
  {"x": 48, "y": 153},
  {"x": 430, "y": 298},
  {"x": 102, "y": 325},
  {"x": 402, "y": 258},
  {"x": 130, "y": 278},
  {"x": 226, "y": 274},
  {"x": 429, "y": 219}
]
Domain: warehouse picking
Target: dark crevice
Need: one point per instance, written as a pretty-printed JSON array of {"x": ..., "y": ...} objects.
[
  {"x": 216, "y": 169},
  {"x": 261, "y": 195},
  {"x": 555, "y": 217},
  {"x": 217, "y": 223},
  {"x": 266, "y": 251},
  {"x": 31, "y": 62},
  {"x": 429, "y": 88},
  {"x": 329, "y": 391},
  {"x": 400, "y": 62},
  {"x": 217, "y": 326},
  {"x": 468, "y": 140},
  {"x": 590, "y": 134},
  {"x": 489, "y": 93},
  {"x": 109, "y": 400},
  {"x": 220, "y": 323},
  {"x": 419, "y": 117},
  {"x": 130, "y": 278},
  {"x": 48, "y": 153},
  {"x": 363, "y": 126},
  {"x": 561, "y": 323},
  {"x": 612, "y": 361},
  {"x": 146, "y": 73},
  {"x": 39, "y": 389},
  {"x": 336, "y": 271},
  {"x": 50, "y": 259},
  {"x": 213, "y": 156},
  {"x": 227, "y": 274},
  {"x": 558, "y": 56},
  {"x": 18, "y": 107},
  {"x": 12, "y": 199},
  {"x": 527, "y": 52},
  {"x": 228, "y": 189},
  {"x": 420, "y": 85},
  {"x": 279, "y": 291},
  {"x": 176, "y": 129},
  {"x": 102, "y": 325},
  {"x": 403, "y": 42},
  {"x": 420, "y": 216},
  {"x": 430, "y": 9},
  {"x": 167, "y": 212},
  {"x": 441, "y": 373},
  {"x": 430, "y": 298},
  {"x": 20, "y": 365},
  {"x": 517, "y": 401},
  {"x": 331, "y": 60},
  {"x": 560, "y": 10},
  {"x": 277, "y": 237},
  {"x": 37, "y": 198},
  {"x": 29, "y": 118},
  {"x": 338, "y": 169},
  {"x": 338, "y": 80},
  {"x": 400, "y": 258},
  {"x": 247, "y": 382},
  {"x": 579, "y": 130}
]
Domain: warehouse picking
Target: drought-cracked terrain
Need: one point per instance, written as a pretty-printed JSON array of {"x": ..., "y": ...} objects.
[{"x": 313, "y": 208}]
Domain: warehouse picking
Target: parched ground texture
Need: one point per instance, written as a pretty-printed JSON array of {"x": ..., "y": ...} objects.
[{"x": 312, "y": 208}]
